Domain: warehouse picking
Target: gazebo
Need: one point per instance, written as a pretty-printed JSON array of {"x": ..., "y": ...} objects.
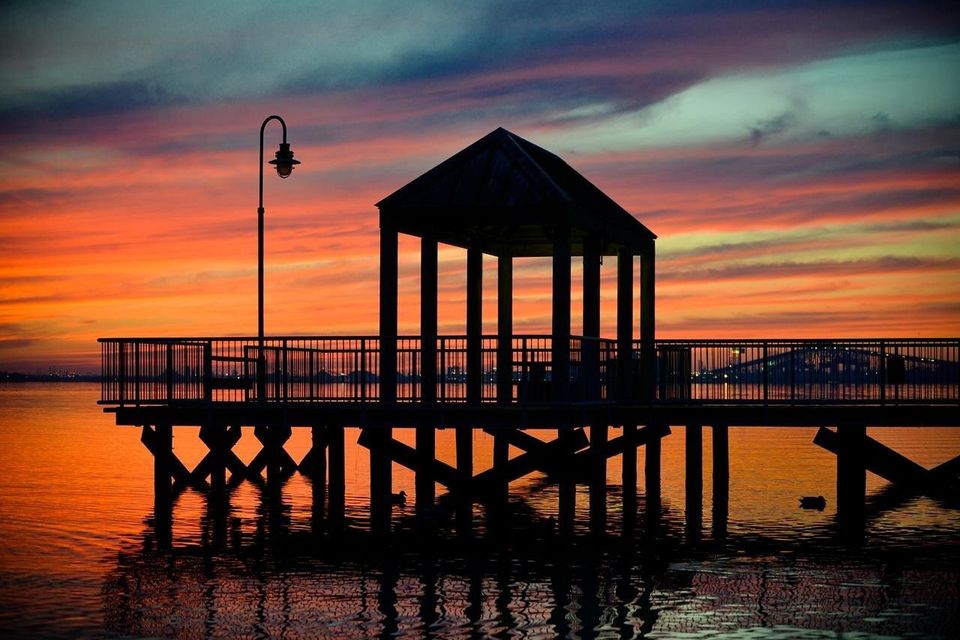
[{"x": 507, "y": 197}]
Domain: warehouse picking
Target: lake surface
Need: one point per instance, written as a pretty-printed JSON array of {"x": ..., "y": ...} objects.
[{"x": 79, "y": 558}]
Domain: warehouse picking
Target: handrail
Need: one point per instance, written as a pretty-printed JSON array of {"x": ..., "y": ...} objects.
[{"x": 162, "y": 371}]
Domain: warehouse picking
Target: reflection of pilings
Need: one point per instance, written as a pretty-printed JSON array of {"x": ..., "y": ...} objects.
[
  {"x": 317, "y": 470},
  {"x": 598, "y": 477},
  {"x": 721, "y": 480},
  {"x": 694, "y": 481},
  {"x": 851, "y": 479}
]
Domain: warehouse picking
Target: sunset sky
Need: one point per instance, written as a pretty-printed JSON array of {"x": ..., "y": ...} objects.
[{"x": 800, "y": 162}]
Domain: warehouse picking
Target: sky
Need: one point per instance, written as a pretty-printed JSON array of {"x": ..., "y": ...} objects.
[{"x": 800, "y": 162}]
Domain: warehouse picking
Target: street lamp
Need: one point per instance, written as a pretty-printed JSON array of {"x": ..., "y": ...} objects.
[{"x": 284, "y": 162}]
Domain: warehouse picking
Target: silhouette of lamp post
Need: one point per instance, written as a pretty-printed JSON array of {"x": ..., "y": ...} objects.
[{"x": 284, "y": 162}]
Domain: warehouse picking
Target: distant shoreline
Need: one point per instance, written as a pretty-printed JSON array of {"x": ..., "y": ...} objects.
[{"x": 48, "y": 377}]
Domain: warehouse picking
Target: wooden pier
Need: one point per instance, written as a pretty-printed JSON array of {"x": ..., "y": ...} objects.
[{"x": 508, "y": 198}]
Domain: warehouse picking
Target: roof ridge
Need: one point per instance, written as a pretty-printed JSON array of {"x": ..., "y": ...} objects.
[{"x": 513, "y": 141}]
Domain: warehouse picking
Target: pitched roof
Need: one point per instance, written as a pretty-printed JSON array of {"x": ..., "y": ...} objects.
[{"x": 507, "y": 195}]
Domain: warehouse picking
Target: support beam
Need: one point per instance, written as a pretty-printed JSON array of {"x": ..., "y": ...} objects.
[
  {"x": 560, "y": 352},
  {"x": 566, "y": 509},
  {"x": 721, "y": 480},
  {"x": 318, "y": 476},
  {"x": 629, "y": 473},
  {"x": 624, "y": 374},
  {"x": 648, "y": 354},
  {"x": 501, "y": 456},
  {"x": 474, "y": 325},
  {"x": 879, "y": 459},
  {"x": 428, "y": 317},
  {"x": 590, "y": 348},
  {"x": 388, "y": 312},
  {"x": 504, "y": 329},
  {"x": 545, "y": 453},
  {"x": 694, "y": 481}
]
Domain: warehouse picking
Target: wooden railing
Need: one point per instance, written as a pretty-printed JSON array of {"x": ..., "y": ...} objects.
[{"x": 160, "y": 371}]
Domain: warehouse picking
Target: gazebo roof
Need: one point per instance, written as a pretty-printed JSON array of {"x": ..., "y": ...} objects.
[{"x": 508, "y": 196}]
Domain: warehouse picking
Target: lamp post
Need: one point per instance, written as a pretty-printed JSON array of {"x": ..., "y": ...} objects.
[{"x": 284, "y": 163}]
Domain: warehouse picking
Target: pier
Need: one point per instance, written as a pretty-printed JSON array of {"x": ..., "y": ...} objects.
[{"x": 507, "y": 198}]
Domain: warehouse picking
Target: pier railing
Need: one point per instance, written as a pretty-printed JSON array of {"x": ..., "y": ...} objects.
[{"x": 159, "y": 371}]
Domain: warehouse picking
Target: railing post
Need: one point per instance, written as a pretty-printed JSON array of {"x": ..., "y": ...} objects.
[
  {"x": 362, "y": 372},
  {"x": 121, "y": 372},
  {"x": 284, "y": 391},
  {"x": 766, "y": 379},
  {"x": 883, "y": 373},
  {"x": 170, "y": 372},
  {"x": 208, "y": 372}
]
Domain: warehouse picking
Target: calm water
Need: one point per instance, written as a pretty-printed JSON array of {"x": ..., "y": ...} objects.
[{"x": 78, "y": 557}]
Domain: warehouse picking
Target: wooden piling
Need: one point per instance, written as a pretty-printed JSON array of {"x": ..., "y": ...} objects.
[
  {"x": 694, "y": 481},
  {"x": 424, "y": 478},
  {"x": 721, "y": 480},
  {"x": 318, "y": 476},
  {"x": 464, "y": 446},
  {"x": 651, "y": 475},
  {"x": 337, "y": 472},
  {"x": 567, "y": 486},
  {"x": 598, "y": 477},
  {"x": 851, "y": 479},
  {"x": 381, "y": 481}
]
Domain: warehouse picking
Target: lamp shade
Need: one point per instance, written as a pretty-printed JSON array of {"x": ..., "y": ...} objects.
[{"x": 284, "y": 162}]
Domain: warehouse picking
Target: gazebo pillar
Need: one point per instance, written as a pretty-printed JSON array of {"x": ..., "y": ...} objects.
[
  {"x": 560, "y": 347},
  {"x": 388, "y": 312},
  {"x": 590, "y": 348},
  {"x": 648, "y": 351},
  {"x": 505, "y": 329},
  {"x": 425, "y": 434},
  {"x": 625, "y": 322},
  {"x": 474, "y": 325}
]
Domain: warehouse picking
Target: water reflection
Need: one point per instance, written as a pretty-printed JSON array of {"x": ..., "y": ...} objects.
[{"x": 267, "y": 573}]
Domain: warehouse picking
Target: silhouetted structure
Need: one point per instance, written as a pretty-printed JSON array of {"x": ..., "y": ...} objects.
[{"x": 506, "y": 197}]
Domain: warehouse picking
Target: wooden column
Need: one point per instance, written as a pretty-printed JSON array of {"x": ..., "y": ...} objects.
[
  {"x": 560, "y": 351},
  {"x": 501, "y": 456},
  {"x": 624, "y": 375},
  {"x": 474, "y": 325},
  {"x": 388, "y": 312},
  {"x": 721, "y": 480},
  {"x": 425, "y": 434},
  {"x": 337, "y": 472},
  {"x": 590, "y": 349},
  {"x": 504, "y": 329},
  {"x": 428, "y": 317},
  {"x": 694, "y": 480},
  {"x": 648, "y": 352},
  {"x": 851, "y": 479}
]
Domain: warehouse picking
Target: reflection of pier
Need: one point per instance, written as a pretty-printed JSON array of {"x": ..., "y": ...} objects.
[{"x": 507, "y": 198}]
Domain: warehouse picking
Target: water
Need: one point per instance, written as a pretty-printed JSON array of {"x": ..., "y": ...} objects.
[{"x": 79, "y": 557}]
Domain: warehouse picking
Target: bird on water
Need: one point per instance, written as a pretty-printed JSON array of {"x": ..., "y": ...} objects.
[
  {"x": 398, "y": 498},
  {"x": 813, "y": 502}
]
